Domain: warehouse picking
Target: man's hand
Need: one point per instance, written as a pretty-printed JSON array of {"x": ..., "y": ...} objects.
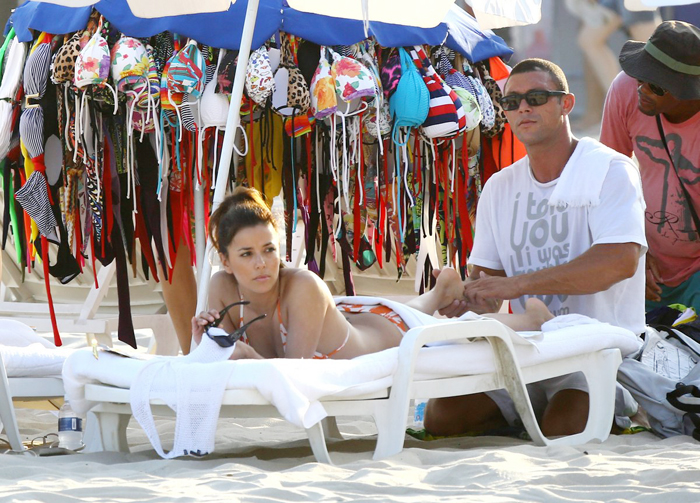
[
  {"x": 461, "y": 306},
  {"x": 488, "y": 292},
  {"x": 653, "y": 290},
  {"x": 457, "y": 308}
]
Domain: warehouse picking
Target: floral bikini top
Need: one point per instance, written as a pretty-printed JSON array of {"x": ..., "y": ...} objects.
[{"x": 283, "y": 334}]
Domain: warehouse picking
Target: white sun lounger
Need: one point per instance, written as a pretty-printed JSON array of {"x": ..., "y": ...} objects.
[
  {"x": 23, "y": 389},
  {"x": 77, "y": 305},
  {"x": 421, "y": 372},
  {"x": 30, "y": 370}
]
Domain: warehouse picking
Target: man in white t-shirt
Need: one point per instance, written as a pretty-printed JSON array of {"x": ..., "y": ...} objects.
[{"x": 564, "y": 224}]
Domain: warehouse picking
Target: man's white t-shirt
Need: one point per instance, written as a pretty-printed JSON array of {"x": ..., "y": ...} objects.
[{"x": 517, "y": 231}]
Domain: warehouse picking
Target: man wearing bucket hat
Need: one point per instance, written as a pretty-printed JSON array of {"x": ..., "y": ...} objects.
[{"x": 652, "y": 111}]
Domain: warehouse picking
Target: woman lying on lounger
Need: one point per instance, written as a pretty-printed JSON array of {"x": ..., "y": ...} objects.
[{"x": 301, "y": 319}]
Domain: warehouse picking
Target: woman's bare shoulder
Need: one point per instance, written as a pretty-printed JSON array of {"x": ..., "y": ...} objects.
[
  {"x": 303, "y": 281},
  {"x": 297, "y": 276},
  {"x": 222, "y": 278},
  {"x": 221, "y": 287}
]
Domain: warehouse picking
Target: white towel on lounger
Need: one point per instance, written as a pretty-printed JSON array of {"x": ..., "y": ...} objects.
[{"x": 193, "y": 387}]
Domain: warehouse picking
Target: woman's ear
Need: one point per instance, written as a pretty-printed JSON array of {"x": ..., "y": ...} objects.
[{"x": 225, "y": 263}]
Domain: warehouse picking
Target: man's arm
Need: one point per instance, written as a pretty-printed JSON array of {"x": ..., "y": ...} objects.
[
  {"x": 614, "y": 131},
  {"x": 596, "y": 270}
]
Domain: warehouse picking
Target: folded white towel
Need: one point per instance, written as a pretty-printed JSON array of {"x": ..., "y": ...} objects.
[
  {"x": 16, "y": 333},
  {"x": 581, "y": 181},
  {"x": 26, "y": 354},
  {"x": 193, "y": 387},
  {"x": 34, "y": 360}
]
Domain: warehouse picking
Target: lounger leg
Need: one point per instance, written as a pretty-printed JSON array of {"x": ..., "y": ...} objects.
[
  {"x": 600, "y": 370},
  {"x": 9, "y": 422},
  {"x": 91, "y": 434},
  {"x": 318, "y": 444},
  {"x": 330, "y": 428},
  {"x": 7, "y": 412},
  {"x": 515, "y": 385},
  {"x": 113, "y": 430},
  {"x": 391, "y": 421},
  {"x": 601, "y": 375}
]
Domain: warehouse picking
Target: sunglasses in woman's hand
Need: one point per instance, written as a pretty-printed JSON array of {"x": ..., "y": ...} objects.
[{"x": 227, "y": 340}]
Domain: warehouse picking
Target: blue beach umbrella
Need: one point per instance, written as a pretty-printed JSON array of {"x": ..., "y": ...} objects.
[{"x": 458, "y": 31}]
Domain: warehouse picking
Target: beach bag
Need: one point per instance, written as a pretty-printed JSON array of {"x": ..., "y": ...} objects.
[
  {"x": 664, "y": 378},
  {"x": 409, "y": 103}
]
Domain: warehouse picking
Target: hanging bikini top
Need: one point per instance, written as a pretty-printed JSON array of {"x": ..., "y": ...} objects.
[{"x": 92, "y": 67}]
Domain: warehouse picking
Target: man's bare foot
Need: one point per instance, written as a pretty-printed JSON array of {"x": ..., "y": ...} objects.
[
  {"x": 449, "y": 287},
  {"x": 537, "y": 311}
]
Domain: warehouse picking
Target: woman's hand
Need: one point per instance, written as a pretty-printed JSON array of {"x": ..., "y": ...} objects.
[{"x": 201, "y": 321}]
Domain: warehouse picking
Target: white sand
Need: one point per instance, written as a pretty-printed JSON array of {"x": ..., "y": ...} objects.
[{"x": 270, "y": 461}]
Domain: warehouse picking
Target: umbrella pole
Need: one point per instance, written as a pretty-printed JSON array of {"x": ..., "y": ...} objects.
[
  {"x": 202, "y": 250},
  {"x": 232, "y": 123},
  {"x": 199, "y": 234}
]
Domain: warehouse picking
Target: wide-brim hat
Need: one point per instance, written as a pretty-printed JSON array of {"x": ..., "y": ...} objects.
[{"x": 669, "y": 59}]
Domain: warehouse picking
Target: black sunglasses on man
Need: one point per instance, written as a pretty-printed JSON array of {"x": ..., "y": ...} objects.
[
  {"x": 657, "y": 90},
  {"x": 534, "y": 98}
]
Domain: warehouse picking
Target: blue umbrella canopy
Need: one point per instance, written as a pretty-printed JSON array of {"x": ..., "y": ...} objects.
[{"x": 459, "y": 31}]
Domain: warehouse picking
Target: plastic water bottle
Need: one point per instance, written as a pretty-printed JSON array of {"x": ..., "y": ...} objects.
[
  {"x": 70, "y": 428},
  {"x": 419, "y": 413}
]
